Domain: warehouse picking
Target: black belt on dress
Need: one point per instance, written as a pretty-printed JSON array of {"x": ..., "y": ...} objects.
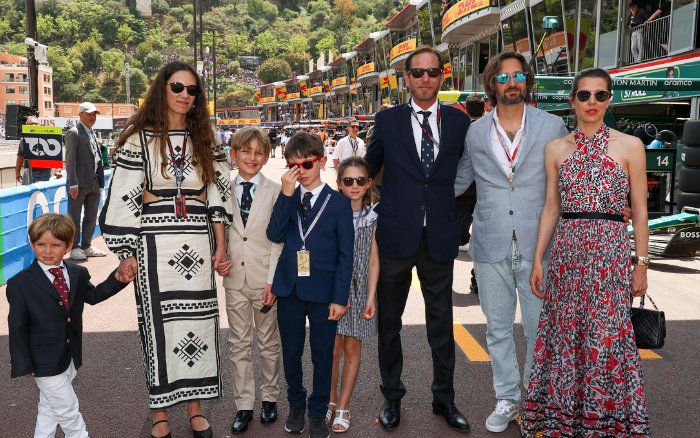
[{"x": 593, "y": 215}]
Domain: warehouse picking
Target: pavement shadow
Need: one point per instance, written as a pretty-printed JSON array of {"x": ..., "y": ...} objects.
[
  {"x": 673, "y": 269},
  {"x": 113, "y": 396}
]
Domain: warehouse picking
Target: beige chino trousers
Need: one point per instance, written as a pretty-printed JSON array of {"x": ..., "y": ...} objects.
[{"x": 244, "y": 320}]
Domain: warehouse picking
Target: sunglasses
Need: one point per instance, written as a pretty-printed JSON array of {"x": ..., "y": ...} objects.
[
  {"x": 354, "y": 127},
  {"x": 308, "y": 164},
  {"x": 600, "y": 95},
  {"x": 348, "y": 182},
  {"x": 418, "y": 73},
  {"x": 177, "y": 87},
  {"x": 518, "y": 76}
]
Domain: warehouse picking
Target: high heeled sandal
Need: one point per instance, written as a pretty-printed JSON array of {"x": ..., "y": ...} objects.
[
  {"x": 206, "y": 433},
  {"x": 340, "y": 420},
  {"x": 169, "y": 435},
  {"x": 330, "y": 411}
]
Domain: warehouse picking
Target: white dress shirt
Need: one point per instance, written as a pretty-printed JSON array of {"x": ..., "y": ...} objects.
[
  {"x": 432, "y": 121},
  {"x": 497, "y": 148},
  {"x": 314, "y": 193},
  {"x": 44, "y": 267},
  {"x": 239, "y": 188},
  {"x": 345, "y": 150}
]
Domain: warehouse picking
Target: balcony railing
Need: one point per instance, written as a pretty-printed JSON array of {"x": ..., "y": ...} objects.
[{"x": 647, "y": 41}]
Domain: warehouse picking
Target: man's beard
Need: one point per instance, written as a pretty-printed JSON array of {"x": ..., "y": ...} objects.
[{"x": 503, "y": 99}]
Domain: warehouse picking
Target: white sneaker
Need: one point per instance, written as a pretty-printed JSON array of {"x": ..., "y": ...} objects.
[
  {"x": 77, "y": 254},
  {"x": 94, "y": 252},
  {"x": 505, "y": 412}
]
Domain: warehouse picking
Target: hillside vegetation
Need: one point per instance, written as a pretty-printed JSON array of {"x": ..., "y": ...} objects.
[{"x": 90, "y": 41}]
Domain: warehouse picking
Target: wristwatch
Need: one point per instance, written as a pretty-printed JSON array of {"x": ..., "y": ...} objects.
[{"x": 641, "y": 260}]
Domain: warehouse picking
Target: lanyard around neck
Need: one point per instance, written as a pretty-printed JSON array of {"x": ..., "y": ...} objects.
[
  {"x": 304, "y": 235},
  {"x": 425, "y": 131},
  {"x": 510, "y": 157}
]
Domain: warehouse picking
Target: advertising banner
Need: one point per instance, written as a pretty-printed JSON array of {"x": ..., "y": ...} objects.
[
  {"x": 238, "y": 122},
  {"x": 461, "y": 9},
  {"x": 291, "y": 96},
  {"x": 365, "y": 68},
  {"x": 43, "y": 146},
  {"x": 19, "y": 206},
  {"x": 269, "y": 99},
  {"x": 315, "y": 90},
  {"x": 337, "y": 82},
  {"x": 402, "y": 48}
]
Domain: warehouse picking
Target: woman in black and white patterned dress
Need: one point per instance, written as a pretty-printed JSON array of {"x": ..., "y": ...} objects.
[
  {"x": 168, "y": 204},
  {"x": 359, "y": 321}
]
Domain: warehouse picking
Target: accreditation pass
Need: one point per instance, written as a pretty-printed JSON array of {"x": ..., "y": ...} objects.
[{"x": 304, "y": 255}]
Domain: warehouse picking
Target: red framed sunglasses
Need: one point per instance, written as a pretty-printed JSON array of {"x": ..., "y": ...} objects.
[{"x": 308, "y": 164}]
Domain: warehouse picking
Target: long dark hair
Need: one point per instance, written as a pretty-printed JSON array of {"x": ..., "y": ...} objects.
[
  {"x": 372, "y": 195},
  {"x": 153, "y": 115}
]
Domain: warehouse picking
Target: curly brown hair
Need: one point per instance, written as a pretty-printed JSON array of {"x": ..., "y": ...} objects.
[{"x": 153, "y": 115}]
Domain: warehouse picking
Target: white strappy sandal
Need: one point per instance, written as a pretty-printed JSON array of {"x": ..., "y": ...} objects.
[
  {"x": 341, "y": 421},
  {"x": 330, "y": 411}
]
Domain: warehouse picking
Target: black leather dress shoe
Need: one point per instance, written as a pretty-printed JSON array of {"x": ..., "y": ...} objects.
[
  {"x": 454, "y": 418},
  {"x": 390, "y": 416},
  {"x": 268, "y": 414},
  {"x": 240, "y": 422}
]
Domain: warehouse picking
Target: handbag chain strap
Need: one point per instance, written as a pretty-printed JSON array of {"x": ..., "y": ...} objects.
[{"x": 641, "y": 302}]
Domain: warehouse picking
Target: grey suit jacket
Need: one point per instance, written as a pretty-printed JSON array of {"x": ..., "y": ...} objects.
[
  {"x": 253, "y": 255},
  {"x": 501, "y": 206},
  {"x": 80, "y": 160}
]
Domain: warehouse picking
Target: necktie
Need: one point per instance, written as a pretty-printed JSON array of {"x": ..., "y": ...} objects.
[
  {"x": 306, "y": 204},
  {"x": 427, "y": 156},
  {"x": 246, "y": 201},
  {"x": 59, "y": 282}
]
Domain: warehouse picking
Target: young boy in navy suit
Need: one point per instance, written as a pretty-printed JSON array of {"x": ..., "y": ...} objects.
[
  {"x": 312, "y": 278},
  {"x": 45, "y": 322}
]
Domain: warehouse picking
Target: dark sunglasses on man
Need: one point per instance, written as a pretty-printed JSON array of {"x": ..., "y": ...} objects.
[
  {"x": 518, "y": 76},
  {"x": 360, "y": 180},
  {"x": 433, "y": 72},
  {"x": 177, "y": 87},
  {"x": 308, "y": 164},
  {"x": 354, "y": 126},
  {"x": 600, "y": 95}
]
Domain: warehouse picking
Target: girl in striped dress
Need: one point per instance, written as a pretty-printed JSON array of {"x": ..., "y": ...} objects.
[{"x": 359, "y": 321}]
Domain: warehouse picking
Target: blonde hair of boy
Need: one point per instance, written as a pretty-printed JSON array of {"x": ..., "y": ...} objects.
[
  {"x": 59, "y": 225},
  {"x": 242, "y": 138}
]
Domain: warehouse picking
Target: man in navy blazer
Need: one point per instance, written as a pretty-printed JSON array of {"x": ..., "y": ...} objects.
[
  {"x": 312, "y": 278},
  {"x": 418, "y": 145}
]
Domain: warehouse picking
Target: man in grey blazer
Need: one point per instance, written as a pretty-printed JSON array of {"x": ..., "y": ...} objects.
[
  {"x": 504, "y": 155},
  {"x": 85, "y": 178}
]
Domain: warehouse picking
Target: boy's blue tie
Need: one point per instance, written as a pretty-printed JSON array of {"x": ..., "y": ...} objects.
[
  {"x": 59, "y": 282},
  {"x": 246, "y": 201},
  {"x": 306, "y": 204},
  {"x": 427, "y": 155}
]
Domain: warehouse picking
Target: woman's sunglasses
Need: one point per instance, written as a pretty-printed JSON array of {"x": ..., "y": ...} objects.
[
  {"x": 177, "y": 87},
  {"x": 348, "y": 182},
  {"x": 418, "y": 73},
  {"x": 308, "y": 164},
  {"x": 518, "y": 76},
  {"x": 600, "y": 95}
]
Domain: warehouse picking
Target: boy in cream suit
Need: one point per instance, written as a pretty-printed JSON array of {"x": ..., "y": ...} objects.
[{"x": 250, "y": 305}]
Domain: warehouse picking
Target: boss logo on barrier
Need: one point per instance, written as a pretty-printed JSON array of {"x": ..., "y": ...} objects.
[{"x": 690, "y": 235}]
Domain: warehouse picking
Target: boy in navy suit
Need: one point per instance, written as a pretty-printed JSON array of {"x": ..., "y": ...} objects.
[
  {"x": 45, "y": 323},
  {"x": 312, "y": 278}
]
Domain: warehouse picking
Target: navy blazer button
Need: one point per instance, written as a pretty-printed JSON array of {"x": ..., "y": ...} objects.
[
  {"x": 510, "y": 212},
  {"x": 68, "y": 319},
  {"x": 425, "y": 185},
  {"x": 60, "y": 303},
  {"x": 67, "y": 341},
  {"x": 422, "y": 207}
]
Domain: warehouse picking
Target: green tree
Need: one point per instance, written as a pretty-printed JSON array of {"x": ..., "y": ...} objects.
[
  {"x": 273, "y": 70},
  {"x": 262, "y": 9},
  {"x": 267, "y": 45},
  {"x": 138, "y": 82},
  {"x": 112, "y": 63}
]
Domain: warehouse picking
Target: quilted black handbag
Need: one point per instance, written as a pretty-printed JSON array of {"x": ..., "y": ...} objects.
[{"x": 649, "y": 325}]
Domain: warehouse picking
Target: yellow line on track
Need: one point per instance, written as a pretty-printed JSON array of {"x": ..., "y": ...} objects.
[
  {"x": 648, "y": 354},
  {"x": 469, "y": 345}
]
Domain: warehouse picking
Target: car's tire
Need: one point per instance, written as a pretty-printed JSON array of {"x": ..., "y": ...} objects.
[
  {"x": 689, "y": 180},
  {"x": 684, "y": 199},
  {"x": 691, "y": 156},
  {"x": 691, "y": 133}
]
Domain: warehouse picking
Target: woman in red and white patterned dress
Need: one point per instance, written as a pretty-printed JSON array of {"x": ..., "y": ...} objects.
[{"x": 586, "y": 377}]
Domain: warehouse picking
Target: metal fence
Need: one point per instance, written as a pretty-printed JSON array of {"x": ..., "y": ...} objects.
[{"x": 647, "y": 41}]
